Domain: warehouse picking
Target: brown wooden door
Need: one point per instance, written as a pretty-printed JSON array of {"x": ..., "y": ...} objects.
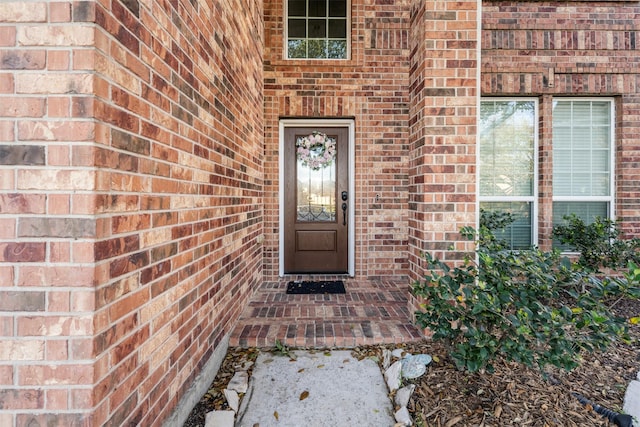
[{"x": 316, "y": 216}]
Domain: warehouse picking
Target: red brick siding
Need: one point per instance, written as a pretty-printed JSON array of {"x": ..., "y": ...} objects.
[
  {"x": 589, "y": 48},
  {"x": 137, "y": 182},
  {"x": 181, "y": 153},
  {"x": 131, "y": 169},
  {"x": 545, "y": 177},
  {"x": 46, "y": 263},
  {"x": 442, "y": 144},
  {"x": 371, "y": 88}
]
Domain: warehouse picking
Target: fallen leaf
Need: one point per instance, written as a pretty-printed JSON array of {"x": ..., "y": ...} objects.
[
  {"x": 498, "y": 411},
  {"x": 304, "y": 395},
  {"x": 327, "y": 353},
  {"x": 275, "y": 414},
  {"x": 320, "y": 366},
  {"x": 300, "y": 370},
  {"x": 453, "y": 421}
]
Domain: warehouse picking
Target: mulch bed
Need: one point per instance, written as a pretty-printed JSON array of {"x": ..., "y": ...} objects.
[{"x": 512, "y": 396}]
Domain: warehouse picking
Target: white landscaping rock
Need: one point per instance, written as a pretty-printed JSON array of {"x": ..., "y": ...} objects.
[
  {"x": 632, "y": 401},
  {"x": 243, "y": 366},
  {"x": 386, "y": 359},
  {"x": 399, "y": 353},
  {"x": 412, "y": 367},
  {"x": 425, "y": 359},
  {"x": 392, "y": 376},
  {"x": 232, "y": 399},
  {"x": 239, "y": 382},
  {"x": 220, "y": 419},
  {"x": 403, "y": 395},
  {"x": 402, "y": 416}
]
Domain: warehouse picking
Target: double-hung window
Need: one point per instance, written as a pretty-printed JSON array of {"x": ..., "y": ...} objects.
[
  {"x": 583, "y": 159},
  {"x": 317, "y": 29},
  {"x": 582, "y": 156},
  {"x": 508, "y": 165}
]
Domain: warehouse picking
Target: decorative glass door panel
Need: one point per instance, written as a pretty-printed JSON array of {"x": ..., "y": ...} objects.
[{"x": 316, "y": 186}]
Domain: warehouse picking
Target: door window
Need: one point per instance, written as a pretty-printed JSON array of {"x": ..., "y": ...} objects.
[{"x": 316, "y": 178}]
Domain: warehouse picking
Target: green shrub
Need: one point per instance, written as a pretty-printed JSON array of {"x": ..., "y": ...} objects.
[
  {"x": 600, "y": 244},
  {"x": 532, "y": 307}
]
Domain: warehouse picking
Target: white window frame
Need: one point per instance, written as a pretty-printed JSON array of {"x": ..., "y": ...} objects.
[
  {"x": 285, "y": 52},
  {"x": 610, "y": 199},
  {"x": 533, "y": 199}
]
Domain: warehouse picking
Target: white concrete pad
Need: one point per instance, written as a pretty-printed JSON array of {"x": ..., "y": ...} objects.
[
  {"x": 632, "y": 401},
  {"x": 315, "y": 390},
  {"x": 219, "y": 419}
]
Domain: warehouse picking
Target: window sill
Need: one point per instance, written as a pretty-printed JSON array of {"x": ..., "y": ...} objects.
[{"x": 304, "y": 63}]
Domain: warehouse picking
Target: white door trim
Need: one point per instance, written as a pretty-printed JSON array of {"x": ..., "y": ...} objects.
[{"x": 290, "y": 123}]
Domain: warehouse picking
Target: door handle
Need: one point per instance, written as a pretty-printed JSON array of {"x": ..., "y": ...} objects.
[{"x": 344, "y": 212}]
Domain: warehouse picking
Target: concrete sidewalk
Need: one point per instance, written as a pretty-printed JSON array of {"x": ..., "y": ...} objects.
[
  {"x": 330, "y": 388},
  {"x": 632, "y": 401},
  {"x": 316, "y": 389}
]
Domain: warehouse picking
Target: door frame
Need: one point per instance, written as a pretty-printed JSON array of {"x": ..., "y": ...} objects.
[{"x": 293, "y": 123}]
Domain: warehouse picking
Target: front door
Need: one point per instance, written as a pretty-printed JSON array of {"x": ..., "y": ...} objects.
[{"x": 316, "y": 200}]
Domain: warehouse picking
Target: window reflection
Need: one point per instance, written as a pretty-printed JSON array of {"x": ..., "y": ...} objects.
[{"x": 316, "y": 198}]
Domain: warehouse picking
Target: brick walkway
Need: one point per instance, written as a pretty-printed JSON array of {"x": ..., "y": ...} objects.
[{"x": 371, "y": 312}]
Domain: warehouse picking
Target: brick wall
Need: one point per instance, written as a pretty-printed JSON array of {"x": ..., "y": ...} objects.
[
  {"x": 136, "y": 181},
  {"x": 47, "y": 215},
  {"x": 549, "y": 49},
  {"x": 442, "y": 143},
  {"x": 131, "y": 179},
  {"x": 442, "y": 165},
  {"x": 371, "y": 88}
]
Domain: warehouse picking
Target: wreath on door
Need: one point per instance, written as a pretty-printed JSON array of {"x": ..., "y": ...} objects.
[{"x": 316, "y": 151}]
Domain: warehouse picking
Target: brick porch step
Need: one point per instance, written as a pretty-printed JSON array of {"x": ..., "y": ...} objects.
[{"x": 371, "y": 312}]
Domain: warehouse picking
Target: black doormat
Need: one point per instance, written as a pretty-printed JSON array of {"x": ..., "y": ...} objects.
[{"x": 323, "y": 287}]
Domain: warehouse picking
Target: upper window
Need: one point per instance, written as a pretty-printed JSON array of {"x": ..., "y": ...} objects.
[
  {"x": 508, "y": 180},
  {"x": 317, "y": 29},
  {"x": 582, "y": 159}
]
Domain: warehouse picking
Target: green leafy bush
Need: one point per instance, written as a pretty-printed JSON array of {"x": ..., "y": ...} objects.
[
  {"x": 600, "y": 244},
  {"x": 532, "y": 307}
]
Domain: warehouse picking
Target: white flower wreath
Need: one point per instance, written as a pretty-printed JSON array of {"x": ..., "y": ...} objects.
[{"x": 316, "y": 151}]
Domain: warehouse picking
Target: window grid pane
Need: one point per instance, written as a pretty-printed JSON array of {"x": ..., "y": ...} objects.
[
  {"x": 297, "y": 28},
  {"x": 586, "y": 211},
  {"x": 507, "y": 140},
  {"x": 518, "y": 234},
  {"x": 582, "y": 175},
  {"x": 507, "y": 166},
  {"x": 312, "y": 34},
  {"x": 581, "y": 148}
]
